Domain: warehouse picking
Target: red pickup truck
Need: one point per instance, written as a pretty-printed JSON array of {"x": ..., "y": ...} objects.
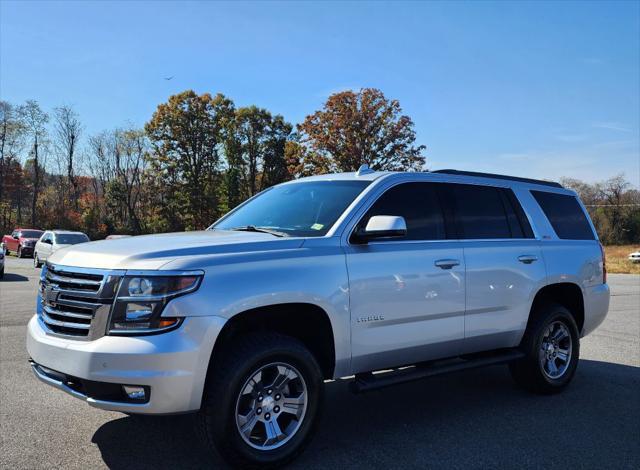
[{"x": 22, "y": 241}]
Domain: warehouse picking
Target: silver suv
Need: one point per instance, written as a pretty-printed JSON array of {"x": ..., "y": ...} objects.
[{"x": 325, "y": 277}]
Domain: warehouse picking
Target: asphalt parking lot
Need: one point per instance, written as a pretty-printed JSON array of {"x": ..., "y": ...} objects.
[{"x": 476, "y": 419}]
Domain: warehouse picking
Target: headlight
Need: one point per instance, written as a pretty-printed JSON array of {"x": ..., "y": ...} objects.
[{"x": 141, "y": 299}]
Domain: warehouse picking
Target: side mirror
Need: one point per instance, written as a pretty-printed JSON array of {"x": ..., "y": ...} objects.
[
  {"x": 47, "y": 241},
  {"x": 382, "y": 226},
  {"x": 16, "y": 237}
]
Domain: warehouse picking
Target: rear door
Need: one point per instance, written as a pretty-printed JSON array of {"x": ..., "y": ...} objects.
[
  {"x": 406, "y": 295},
  {"x": 504, "y": 265}
]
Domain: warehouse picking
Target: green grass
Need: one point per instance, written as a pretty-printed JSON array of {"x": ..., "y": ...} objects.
[{"x": 617, "y": 261}]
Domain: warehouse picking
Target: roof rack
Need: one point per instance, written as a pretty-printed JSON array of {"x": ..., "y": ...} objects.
[{"x": 498, "y": 177}]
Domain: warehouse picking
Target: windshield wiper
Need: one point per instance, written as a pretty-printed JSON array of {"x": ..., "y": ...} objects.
[{"x": 253, "y": 228}]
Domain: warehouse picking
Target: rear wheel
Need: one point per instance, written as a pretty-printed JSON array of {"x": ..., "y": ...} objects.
[
  {"x": 261, "y": 402},
  {"x": 552, "y": 347}
]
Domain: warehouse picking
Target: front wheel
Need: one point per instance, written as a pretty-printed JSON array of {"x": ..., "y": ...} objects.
[
  {"x": 552, "y": 348},
  {"x": 262, "y": 400},
  {"x": 36, "y": 261}
]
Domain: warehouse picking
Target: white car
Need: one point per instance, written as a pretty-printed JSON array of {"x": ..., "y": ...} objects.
[
  {"x": 53, "y": 240},
  {"x": 635, "y": 257}
]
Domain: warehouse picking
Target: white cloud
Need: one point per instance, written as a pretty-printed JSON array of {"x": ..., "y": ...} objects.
[{"x": 612, "y": 126}]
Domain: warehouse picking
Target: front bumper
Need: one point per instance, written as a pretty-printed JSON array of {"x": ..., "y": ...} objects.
[{"x": 172, "y": 365}]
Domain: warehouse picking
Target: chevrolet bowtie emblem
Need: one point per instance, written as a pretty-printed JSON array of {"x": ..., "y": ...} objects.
[{"x": 51, "y": 294}]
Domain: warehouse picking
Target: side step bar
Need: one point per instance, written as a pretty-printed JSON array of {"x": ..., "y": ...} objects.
[{"x": 369, "y": 381}]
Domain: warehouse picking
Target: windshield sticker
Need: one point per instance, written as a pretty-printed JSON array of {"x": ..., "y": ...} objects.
[{"x": 317, "y": 226}]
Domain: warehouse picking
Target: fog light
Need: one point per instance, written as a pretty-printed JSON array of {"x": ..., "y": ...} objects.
[{"x": 133, "y": 392}]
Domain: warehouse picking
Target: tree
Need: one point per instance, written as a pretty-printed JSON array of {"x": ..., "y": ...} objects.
[
  {"x": 357, "y": 128},
  {"x": 302, "y": 161},
  {"x": 274, "y": 165},
  {"x": 34, "y": 120},
  {"x": 260, "y": 140},
  {"x": 187, "y": 135},
  {"x": 68, "y": 130},
  {"x": 11, "y": 139}
]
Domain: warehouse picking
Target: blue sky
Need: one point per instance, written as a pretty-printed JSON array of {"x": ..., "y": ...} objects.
[{"x": 543, "y": 89}]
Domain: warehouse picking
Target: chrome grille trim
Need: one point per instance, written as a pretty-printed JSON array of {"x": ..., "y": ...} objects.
[
  {"x": 71, "y": 280},
  {"x": 51, "y": 322},
  {"x": 62, "y": 313},
  {"x": 76, "y": 302}
]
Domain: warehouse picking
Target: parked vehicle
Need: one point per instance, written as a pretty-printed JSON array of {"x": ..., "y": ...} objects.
[
  {"x": 634, "y": 257},
  {"x": 52, "y": 240},
  {"x": 320, "y": 278},
  {"x": 1, "y": 260},
  {"x": 21, "y": 241}
]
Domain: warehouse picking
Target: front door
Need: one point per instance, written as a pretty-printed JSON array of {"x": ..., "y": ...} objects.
[{"x": 407, "y": 295}]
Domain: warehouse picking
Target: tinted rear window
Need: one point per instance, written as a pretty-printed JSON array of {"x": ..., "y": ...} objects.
[
  {"x": 479, "y": 212},
  {"x": 565, "y": 214}
]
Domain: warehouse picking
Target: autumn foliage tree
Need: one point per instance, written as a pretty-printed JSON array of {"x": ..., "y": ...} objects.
[
  {"x": 186, "y": 135},
  {"x": 200, "y": 156},
  {"x": 355, "y": 128}
]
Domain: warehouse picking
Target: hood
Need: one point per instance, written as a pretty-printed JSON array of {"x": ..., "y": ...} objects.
[
  {"x": 59, "y": 246},
  {"x": 154, "y": 251}
]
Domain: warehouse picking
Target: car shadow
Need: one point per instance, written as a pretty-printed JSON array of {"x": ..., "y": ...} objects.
[
  {"x": 12, "y": 277},
  {"x": 475, "y": 419}
]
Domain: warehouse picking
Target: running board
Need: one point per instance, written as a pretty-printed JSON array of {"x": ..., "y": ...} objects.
[{"x": 370, "y": 381}]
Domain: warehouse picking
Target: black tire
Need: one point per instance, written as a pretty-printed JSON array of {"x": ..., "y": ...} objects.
[
  {"x": 531, "y": 372},
  {"x": 2, "y": 272},
  {"x": 36, "y": 262},
  {"x": 228, "y": 378}
]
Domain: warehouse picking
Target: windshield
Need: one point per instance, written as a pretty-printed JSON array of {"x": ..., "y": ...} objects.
[
  {"x": 71, "y": 238},
  {"x": 30, "y": 233},
  {"x": 306, "y": 209}
]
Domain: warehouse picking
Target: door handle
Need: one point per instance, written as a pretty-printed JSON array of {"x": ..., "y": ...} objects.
[
  {"x": 446, "y": 263},
  {"x": 527, "y": 259}
]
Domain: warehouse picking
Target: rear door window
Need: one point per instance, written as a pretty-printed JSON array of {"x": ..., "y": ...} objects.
[
  {"x": 565, "y": 215},
  {"x": 479, "y": 212}
]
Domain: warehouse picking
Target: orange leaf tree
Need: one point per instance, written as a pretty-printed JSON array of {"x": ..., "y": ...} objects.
[{"x": 354, "y": 128}]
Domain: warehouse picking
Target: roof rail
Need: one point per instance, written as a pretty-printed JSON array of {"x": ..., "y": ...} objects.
[{"x": 553, "y": 184}]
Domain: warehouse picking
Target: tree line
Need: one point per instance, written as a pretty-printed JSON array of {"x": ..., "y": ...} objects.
[
  {"x": 197, "y": 157},
  {"x": 200, "y": 155},
  {"x": 614, "y": 207}
]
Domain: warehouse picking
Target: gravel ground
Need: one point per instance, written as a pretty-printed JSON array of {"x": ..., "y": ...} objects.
[{"x": 476, "y": 419}]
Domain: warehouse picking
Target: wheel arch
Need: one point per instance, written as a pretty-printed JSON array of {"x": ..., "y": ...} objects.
[
  {"x": 308, "y": 323},
  {"x": 567, "y": 294}
]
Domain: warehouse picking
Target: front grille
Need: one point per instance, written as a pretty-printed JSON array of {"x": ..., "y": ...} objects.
[{"x": 75, "y": 302}]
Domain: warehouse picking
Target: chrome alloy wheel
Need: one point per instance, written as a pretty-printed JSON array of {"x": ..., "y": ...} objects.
[
  {"x": 555, "y": 350},
  {"x": 271, "y": 406}
]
